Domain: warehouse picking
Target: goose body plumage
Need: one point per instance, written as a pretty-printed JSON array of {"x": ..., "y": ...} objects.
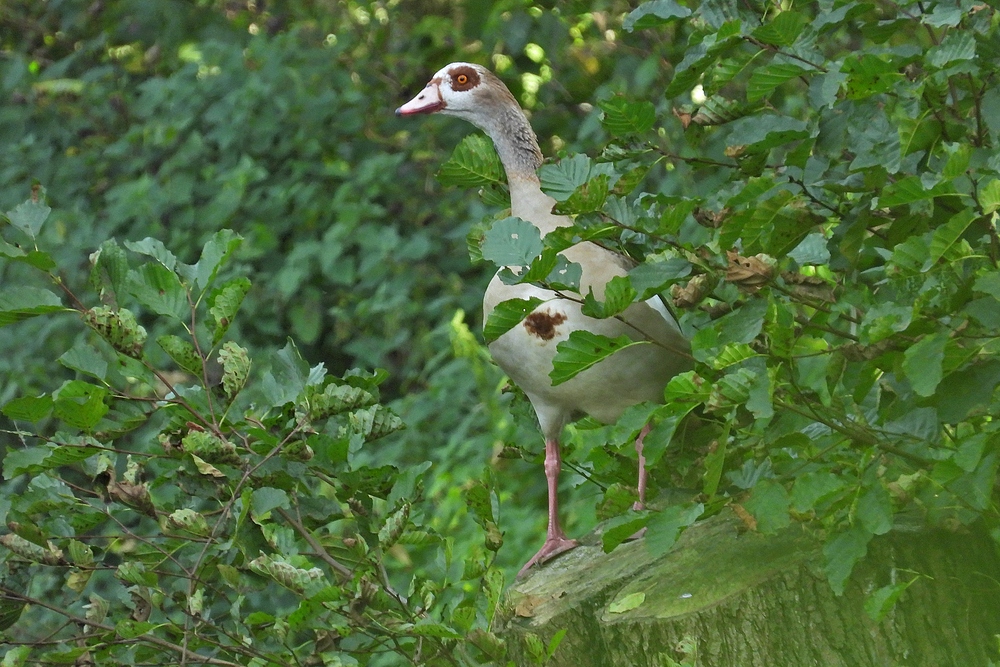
[{"x": 525, "y": 352}]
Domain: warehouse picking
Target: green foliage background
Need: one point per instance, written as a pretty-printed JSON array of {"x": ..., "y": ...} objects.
[{"x": 845, "y": 154}]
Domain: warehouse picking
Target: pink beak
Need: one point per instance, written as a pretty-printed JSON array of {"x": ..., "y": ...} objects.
[{"x": 427, "y": 101}]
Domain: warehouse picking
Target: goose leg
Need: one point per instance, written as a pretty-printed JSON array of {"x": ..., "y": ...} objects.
[
  {"x": 643, "y": 474},
  {"x": 556, "y": 541}
]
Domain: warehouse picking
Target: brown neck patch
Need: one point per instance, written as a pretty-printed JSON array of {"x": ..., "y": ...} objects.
[{"x": 463, "y": 78}]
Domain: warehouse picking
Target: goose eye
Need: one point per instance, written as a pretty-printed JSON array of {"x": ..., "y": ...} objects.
[{"x": 462, "y": 79}]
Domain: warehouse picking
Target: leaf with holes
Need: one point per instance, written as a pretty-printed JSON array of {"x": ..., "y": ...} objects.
[
  {"x": 224, "y": 303},
  {"x": 512, "y": 242},
  {"x": 582, "y": 351}
]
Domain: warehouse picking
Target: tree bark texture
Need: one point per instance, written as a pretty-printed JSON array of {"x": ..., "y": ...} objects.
[{"x": 750, "y": 600}]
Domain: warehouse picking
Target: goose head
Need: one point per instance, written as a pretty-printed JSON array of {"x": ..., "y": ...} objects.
[{"x": 467, "y": 91}]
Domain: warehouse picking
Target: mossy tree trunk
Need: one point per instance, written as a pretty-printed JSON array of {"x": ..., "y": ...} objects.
[{"x": 722, "y": 598}]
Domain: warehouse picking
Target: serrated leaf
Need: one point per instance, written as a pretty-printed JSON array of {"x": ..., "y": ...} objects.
[
  {"x": 664, "y": 528},
  {"x": 626, "y": 603},
  {"x": 508, "y": 315},
  {"x": 512, "y": 242},
  {"x": 235, "y": 368},
  {"x": 154, "y": 248},
  {"x": 374, "y": 422},
  {"x": 948, "y": 234},
  {"x": 653, "y": 277},
  {"x": 989, "y": 196},
  {"x": 109, "y": 271},
  {"x": 85, "y": 358},
  {"x": 29, "y": 216},
  {"x": 762, "y": 132},
  {"x": 562, "y": 179},
  {"x": 474, "y": 162},
  {"x": 182, "y": 352},
  {"x": 881, "y": 601},
  {"x": 80, "y": 404},
  {"x": 618, "y": 295},
  {"x": 214, "y": 254},
  {"x": 812, "y": 488},
  {"x": 732, "y": 354},
  {"x": 874, "y": 510},
  {"x": 654, "y": 14},
  {"x": 159, "y": 289},
  {"x": 842, "y": 551},
  {"x": 764, "y": 80},
  {"x": 957, "y": 45},
  {"x": 922, "y": 363},
  {"x": 20, "y": 303},
  {"x": 224, "y": 303},
  {"x": 582, "y": 351},
  {"x": 769, "y": 503},
  {"x": 621, "y": 528},
  {"x": 624, "y": 118},
  {"x": 908, "y": 190},
  {"x": 29, "y": 408},
  {"x": 587, "y": 198},
  {"x": 783, "y": 30}
]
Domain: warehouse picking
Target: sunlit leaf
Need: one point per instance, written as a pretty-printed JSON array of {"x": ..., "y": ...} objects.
[{"x": 582, "y": 351}]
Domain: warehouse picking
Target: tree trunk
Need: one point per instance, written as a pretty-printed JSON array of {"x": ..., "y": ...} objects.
[{"x": 722, "y": 598}]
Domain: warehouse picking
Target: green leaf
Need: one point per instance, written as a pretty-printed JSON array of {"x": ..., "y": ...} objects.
[
  {"x": 582, "y": 351},
  {"x": 881, "y": 601},
  {"x": 266, "y": 499},
  {"x": 764, "y": 80},
  {"x": 621, "y": 528},
  {"x": 765, "y": 131},
  {"x": 86, "y": 359},
  {"x": 512, "y": 242},
  {"x": 783, "y": 30},
  {"x": 224, "y": 303},
  {"x": 624, "y": 118},
  {"x": 654, "y": 14},
  {"x": 618, "y": 295},
  {"x": 80, "y": 404},
  {"x": 474, "y": 162},
  {"x": 910, "y": 189},
  {"x": 29, "y": 408},
  {"x": 160, "y": 290},
  {"x": 561, "y": 180},
  {"x": 214, "y": 255},
  {"x": 287, "y": 377},
  {"x": 812, "y": 488},
  {"x": 20, "y": 303},
  {"x": 29, "y": 217},
  {"x": 235, "y": 368},
  {"x": 875, "y": 510},
  {"x": 653, "y": 277},
  {"x": 989, "y": 196},
  {"x": 841, "y": 552},
  {"x": 183, "y": 353},
  {"x": 109, "y": 271},
  {"x": 956, "y": 46},
  {"x": 154, "y": 248},
  {"x": 626, "y": 603},
  {"x": 587, "y": 198},
  {"x": 948, "y": 234},
  {"x": 769, "y": 504},
  {"x": 922, "y": 363},
  {"x": 507, "y": 315},
  {"x": 665, "y": 527}
]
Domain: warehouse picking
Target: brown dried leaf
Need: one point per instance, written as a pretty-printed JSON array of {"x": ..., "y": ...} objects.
[{"x": 749, "y": 273}]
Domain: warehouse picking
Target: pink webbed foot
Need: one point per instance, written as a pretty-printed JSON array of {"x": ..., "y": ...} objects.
[{"x": 553, "y": 547}]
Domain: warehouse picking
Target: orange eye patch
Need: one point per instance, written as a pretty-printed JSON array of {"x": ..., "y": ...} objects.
[{"x": 462, "y": 79}]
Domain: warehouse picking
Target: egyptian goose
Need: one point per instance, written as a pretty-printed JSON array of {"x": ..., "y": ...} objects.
[{"x": 635, "y": 374}]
